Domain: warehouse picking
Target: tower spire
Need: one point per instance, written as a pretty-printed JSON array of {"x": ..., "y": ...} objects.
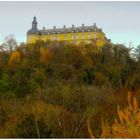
[{"x": 34, "y": 23}]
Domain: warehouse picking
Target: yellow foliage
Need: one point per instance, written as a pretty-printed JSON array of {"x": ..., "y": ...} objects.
[
  {"x": 135, "y": 104},
  {"x": 14, "y": 58},
  {"x": 127, "y": 125},
  {"x": 45, "y": 55}
]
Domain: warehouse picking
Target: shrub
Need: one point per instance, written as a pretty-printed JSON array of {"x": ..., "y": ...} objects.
[{"x": 127, "y": 124}]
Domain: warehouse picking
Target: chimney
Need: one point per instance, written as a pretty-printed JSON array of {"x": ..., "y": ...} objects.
[
  {"x": 72, "y": 26},
  {"x": 94, "y": 24},
  {"x": 54, "y": 27},
  {"x": 43, "y": 28},
  {"x": 82, "y": 25},
  {"x": 64, "y": 26}
]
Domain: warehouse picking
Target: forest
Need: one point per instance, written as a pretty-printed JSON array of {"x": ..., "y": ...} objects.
[{"x": 58, "y": 90}]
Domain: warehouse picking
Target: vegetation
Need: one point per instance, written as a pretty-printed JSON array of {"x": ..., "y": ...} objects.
[{"x": 58, "y": 90}]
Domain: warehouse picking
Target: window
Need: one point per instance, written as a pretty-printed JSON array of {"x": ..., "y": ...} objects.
[
  {"x": 48, "y": 37},
  {"x": 88, "y": 35},
  {"x": 72, "y": 37},
  {"x": 65, "y": 37},
  {"x": 76, "y": 42},
  {"x": 58, "y": 38},
  {"x": 43, "y": 37},
  {"x": 53, "y": 38},
  {"x": 95, "y": 36},
  {"x": 37, "y": 37},
  {"x": 89, "y": 41}
]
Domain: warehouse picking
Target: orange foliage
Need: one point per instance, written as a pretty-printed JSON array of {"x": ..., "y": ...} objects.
[
  {"x": 14, "y": 58},
  {"x": 45, "y": 56},
  {"x": 127, "y": 125}
]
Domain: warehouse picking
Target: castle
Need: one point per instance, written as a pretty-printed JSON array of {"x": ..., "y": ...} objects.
[{"x": 83, "y": 34}]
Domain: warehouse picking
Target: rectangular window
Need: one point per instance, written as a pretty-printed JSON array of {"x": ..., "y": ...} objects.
[
  {"x": 53, "y": 38},
  {"x": 89, "y": 41},
  {"x": 65, "y": 37},
  {"x": 95, "y": 36},
  {"x": 43, "y": 37},
  {"x": 88, "y": 35},
  {"x": 72, "y": 37},
  {"x": 48, "y": 37},
  {"x": 58, "y": 38},
  {"x": 37, "y": 37},
  {"x": 76, "y": 42}
]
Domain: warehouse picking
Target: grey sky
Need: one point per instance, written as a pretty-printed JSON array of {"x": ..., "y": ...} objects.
[{"x": 119, "y": 20}]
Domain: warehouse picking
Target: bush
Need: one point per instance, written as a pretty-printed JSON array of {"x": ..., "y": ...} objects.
[{"x": 127, "y": 124}]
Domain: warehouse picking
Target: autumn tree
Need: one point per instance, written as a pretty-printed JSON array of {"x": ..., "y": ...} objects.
[
  {"x": 45, "y": 55},
  {"x": 14, "y": 58}
]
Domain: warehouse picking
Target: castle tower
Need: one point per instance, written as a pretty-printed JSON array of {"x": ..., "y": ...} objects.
[{"x": 34, "y": 24}]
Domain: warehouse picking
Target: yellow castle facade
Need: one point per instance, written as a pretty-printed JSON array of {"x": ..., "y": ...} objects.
[{"x": 82, "y": 34}]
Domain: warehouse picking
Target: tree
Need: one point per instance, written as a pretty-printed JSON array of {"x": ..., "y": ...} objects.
[
  {"x": 45, "y": 55},
  {"x": 10, "y": 43},
  {"x": 137, "y": 53},
  {"x": 14, "y": 58},
  {"x": 4, "y": 83}
]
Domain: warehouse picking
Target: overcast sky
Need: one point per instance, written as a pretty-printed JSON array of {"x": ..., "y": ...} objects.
[{"x": 120, "y": 21}]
